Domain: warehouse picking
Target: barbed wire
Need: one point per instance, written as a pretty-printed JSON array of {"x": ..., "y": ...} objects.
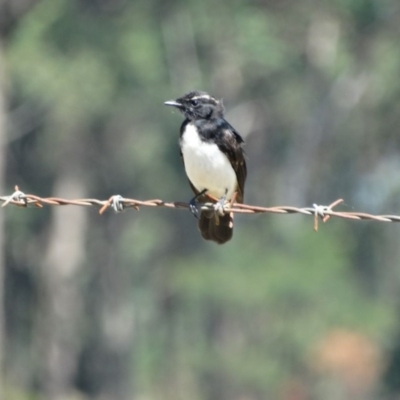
[{"x": 119, "y": 203}]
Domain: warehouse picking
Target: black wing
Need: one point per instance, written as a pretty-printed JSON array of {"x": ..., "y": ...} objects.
[{"x": 230, "y": 143}]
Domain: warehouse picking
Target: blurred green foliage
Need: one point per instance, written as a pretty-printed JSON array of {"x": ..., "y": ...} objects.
[{"x": 136, "y": 305}]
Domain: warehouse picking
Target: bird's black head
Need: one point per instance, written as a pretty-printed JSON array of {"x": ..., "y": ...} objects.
[{"x": 198, "y": 105}]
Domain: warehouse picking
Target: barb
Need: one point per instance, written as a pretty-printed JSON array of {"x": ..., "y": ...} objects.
[{"x": 119, "y": 203}]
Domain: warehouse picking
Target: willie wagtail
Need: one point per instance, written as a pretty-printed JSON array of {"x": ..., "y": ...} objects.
[{"x": 214, "y": 161}]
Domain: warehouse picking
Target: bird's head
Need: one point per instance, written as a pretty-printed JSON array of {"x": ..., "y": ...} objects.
[{"x": 198, "y": 105}]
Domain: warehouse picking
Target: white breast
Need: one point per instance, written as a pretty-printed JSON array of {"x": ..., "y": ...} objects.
[{"x": 206, "y": 166}]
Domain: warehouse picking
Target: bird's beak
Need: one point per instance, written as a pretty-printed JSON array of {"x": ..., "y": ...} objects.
[{"x": 173, "y": 103}]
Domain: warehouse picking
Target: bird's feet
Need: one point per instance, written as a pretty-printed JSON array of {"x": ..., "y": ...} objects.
[
  {"x": 194, "y": 207},
  {"x": 220, "y": 206},
  {"x": 194, "y": 204}
]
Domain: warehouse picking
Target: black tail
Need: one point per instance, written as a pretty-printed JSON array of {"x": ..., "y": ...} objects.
[{"x": 216, "y": 228}]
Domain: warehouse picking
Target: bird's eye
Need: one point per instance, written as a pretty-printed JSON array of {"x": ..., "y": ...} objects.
[{"x": 194, "y": 103}]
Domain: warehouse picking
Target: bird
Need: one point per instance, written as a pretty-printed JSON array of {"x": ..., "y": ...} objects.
[{"x": 214, "y": 161}]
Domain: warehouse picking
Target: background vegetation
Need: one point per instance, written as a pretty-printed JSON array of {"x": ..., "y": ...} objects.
[{"x": 135, "y": 305}]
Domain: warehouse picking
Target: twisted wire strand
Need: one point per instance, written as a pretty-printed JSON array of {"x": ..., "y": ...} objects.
[{"x": 119, "y": 203}]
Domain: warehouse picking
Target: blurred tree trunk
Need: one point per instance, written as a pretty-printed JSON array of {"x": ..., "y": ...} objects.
[
  {"x": 61, "y": 325},
  {"x": 10, "y": 12},
  {"x": 2, "y": 158},
  {"x": 107, "y": 358}
]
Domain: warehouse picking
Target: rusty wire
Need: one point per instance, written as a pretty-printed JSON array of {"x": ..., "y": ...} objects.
[{"x": 119, "y": 203}]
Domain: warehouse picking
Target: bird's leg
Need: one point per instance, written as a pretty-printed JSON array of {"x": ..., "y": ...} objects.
[
  {"x": 233, "y": 199},
  {"x": 220, "y": 205},
  {"x": 193, "y": 203},
  {"x": 211, "y": 197}
]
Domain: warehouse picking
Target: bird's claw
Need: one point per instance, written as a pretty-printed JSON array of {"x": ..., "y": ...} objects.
[
  {"x": 194, "y": 209},
  {"x": 220, "y": 205}
]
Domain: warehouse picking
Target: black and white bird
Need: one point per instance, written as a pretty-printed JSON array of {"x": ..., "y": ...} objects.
[{"x": 214, "y": 161}]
